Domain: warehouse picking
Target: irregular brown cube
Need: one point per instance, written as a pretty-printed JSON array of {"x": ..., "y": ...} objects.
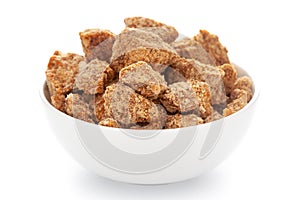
[
  {"x": 78, "y": 108},
  {"x": 203, "y": 94},
  {"x": 97, "y": 43},
  {"x": 212, "y": 45},
  {"x": 60, "y": 75},
  {"x": 214, "y": 78},
  {"x": 244, "y": 83},
  {"x": 229, "y": 78},
  {"x": 143, "y": 79},
  {"x": 178, "y": 121},
  {"x": 214, "y": 116},
  {"x": 109, "y": 122},
  {"x": 191, "y": 49},
  {"x": 167, "y": 33},
  {"x": 180, "y": 98},
  {"x": 133, "y": 45},
  {"x": 236, "y": 104},
  {"x": 158, "y": 122},
  {"x": 127, "y": 107},
  {"x": 93, "y": 77}
]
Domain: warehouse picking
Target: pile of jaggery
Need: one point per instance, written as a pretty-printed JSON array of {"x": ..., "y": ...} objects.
[{"x": 147, "y": 77}]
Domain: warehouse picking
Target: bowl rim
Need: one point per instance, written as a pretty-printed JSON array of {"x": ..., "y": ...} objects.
[{"x": 249, "y": 104}]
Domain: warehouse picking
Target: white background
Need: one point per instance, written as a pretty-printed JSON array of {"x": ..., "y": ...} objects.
[{"x": 261, "y": 36}]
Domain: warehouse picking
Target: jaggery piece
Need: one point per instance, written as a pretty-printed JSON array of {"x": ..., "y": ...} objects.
[
  {"x": 180, "y": 97},
  {"x": 238, "y": 101},
  {"x": 167, "y": 33},
  {"x": 191, "y": 49},
  {"x": 212, "y": 45},
  {"x": 97, "y": 43},
  {"x": 195, "y": 70},
  {"x": 214, "y": 77},
  {"x": 60, "y": 76},
  {"x": 178, "y": 121},
  {"x": 58, "y": 101},
  {"x": 244, "y": 83},
  {"x": 127, "y": 107},
  {"x": 229, "y": 78},
  {"x": 133, "y": 45},
  {"x": 94, "y": 76},
  {"x": 202, "y": 92},
  {"x": 214, "y": 116},
  {"x": 109, "y": 122},
  {"x": 96, "y": 105},
  {"x": 78, "y": 108},
  {"x": 143, "y": 79},
  {"x": 158, "y": 122}
]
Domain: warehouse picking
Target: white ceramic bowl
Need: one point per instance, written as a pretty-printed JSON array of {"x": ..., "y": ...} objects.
[{"x": 150, "y": 156}]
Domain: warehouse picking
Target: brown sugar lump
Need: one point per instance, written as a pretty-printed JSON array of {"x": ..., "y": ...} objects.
[
  {"x": 133, "y": 45},
  {"x": 179, "y": 121},
  {"x": 60, "y": 76},
  {"x": 143, "y": 79},
  {"x": 180, "y": 97},
  {"x": 78, "y": 108},
  {"x": 229, "y": 78},
  {"x": 244, "y": 83},
  {"x": 188, "y": 96},
  {"x": 214, "y": 116},
  {"x": 191, "y": 49},
  {"x": 214, "y": 78},
  {"x": 238, "y": 101},
  {"x": 213, "y": 46},
  {"x": 97, "y": 43},
  {"x": 166, "y": 32},
  {"x": 93, "y": 77},
  {"x": 202, "y": 92},
  {"x": 127, "y": 107},
  {"x": 158, "y": 121},
  {"x": 96, "y": 105},
  {"x": 109, "y": 122}
]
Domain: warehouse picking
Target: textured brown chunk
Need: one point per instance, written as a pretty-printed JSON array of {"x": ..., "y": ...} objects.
[
  {"x": 229, "y": 78},
  {"x": 167, "y": 33},
  {"x": 214, "y": 116},
  {"x": 178, "y": 121},
  {"x": 128, "y": 107},
  {"x": 143, "y": 79},
  {"x": 244, "y": 83},
  {"x": 236, "y": 104},
  {"x": 60, "y": 76},
  {"x": 58, "y": 101},
  {"x": 133, "y": 45},
  {"x": 203, "y": 94},
  {"x": 189, "y": 48},
  {"x": 97, "y": 43},
  {"x": 212, "y": 45},
  {"x": 109, "y": 122},
  {"x": 214, "y": 78},
  {"x": 94, "y": 76},
  {"x": 180, "y": 98},
  {"x": 78, "y": 108},
  {"x": 158, "y": 122}
]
